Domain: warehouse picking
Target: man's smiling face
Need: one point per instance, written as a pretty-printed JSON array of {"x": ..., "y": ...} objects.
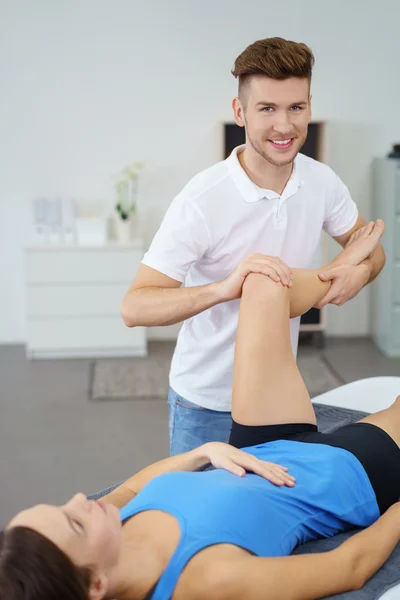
[{"x": 276, "y": 115}]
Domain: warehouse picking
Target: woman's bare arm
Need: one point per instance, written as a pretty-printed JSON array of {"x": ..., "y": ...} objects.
[
  {"x": 188, "y": 461},
  {"x": 120, "y": 496},
  {"x": 308, "y": 576},
  {"x": 218, "y": 454}
]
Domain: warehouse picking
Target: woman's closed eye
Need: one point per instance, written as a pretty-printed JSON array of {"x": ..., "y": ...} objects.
[
  {"x": 79, "y": 524},
  {"x": 75, "y": 524}
]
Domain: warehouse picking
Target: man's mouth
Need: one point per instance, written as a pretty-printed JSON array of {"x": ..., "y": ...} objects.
[{"x": 282, "y": 144}]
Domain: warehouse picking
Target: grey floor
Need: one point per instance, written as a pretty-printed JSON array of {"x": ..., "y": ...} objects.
[{"x": 54, "y": 441}]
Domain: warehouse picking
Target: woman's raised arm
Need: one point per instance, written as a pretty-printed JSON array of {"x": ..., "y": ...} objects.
[{"x": 309, "y": 576}]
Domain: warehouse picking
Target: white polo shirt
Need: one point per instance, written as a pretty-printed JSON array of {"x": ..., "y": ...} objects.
[{"x": 219, "y": 219}]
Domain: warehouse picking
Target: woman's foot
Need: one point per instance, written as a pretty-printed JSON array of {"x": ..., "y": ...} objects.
[{"x": 361, "y": 244}]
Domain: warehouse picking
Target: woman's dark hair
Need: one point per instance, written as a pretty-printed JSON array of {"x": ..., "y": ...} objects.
[{"x": 33, "y": 568}]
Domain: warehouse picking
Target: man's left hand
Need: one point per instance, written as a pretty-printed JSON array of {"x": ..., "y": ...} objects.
[{"x": 347, "y": 281}]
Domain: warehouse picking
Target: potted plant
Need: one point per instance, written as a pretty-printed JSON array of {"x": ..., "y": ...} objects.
[{"x": 126, "y": 185}]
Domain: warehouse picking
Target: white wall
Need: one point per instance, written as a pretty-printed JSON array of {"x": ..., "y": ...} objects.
[{"x": 88, "y": 85}]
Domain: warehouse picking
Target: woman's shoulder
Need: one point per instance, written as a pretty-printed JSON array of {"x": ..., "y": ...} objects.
[{"x": 159, "y": 535}]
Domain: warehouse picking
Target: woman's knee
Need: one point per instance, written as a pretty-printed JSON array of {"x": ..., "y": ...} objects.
[
  {"x": 397, "y": 402},
  {"x": 257, "y": 285}
]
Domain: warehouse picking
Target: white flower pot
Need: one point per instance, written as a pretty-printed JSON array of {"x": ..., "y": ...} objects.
[{"x": 123, "y": 230}]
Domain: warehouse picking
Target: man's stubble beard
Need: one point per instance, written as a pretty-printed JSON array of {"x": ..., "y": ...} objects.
[{"x": 266, "y": 157}]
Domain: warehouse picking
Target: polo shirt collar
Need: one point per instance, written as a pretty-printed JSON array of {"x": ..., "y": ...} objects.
[{"x": 252, "y": 192}]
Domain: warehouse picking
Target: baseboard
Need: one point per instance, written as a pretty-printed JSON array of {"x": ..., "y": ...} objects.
[
  {"x": 169, "y": 332},
  {"x": 127, "y": 352}
]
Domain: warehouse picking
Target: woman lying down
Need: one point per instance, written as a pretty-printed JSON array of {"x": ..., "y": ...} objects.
[{"x": 227, "y": 533}]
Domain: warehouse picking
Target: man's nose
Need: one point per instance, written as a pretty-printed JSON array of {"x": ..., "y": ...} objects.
[
  {"x": 283, "y": 129},
  {"x": 282, "y": 124}
]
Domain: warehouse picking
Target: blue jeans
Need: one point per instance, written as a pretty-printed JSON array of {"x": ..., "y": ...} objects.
[{"x": 191, "y": 425}]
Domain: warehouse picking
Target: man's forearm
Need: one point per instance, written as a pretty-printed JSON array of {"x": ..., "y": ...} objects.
[
  {"x": 189, "y": 461},
  {"x": 150, "y": 306},
  {"x": 375, "y": 263}
]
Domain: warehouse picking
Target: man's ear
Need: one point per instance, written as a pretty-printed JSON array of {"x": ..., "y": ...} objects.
[
  {"x": 238, "y": 112},
  {"x": 98, "y": 586}
]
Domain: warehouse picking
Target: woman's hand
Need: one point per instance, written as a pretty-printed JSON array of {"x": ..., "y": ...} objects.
[{"x": 224, "y": 456}]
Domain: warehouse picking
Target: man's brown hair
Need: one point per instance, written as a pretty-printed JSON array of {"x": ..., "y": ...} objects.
[{"x": 276, "y": 58}]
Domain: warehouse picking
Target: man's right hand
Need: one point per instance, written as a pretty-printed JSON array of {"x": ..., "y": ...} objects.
[{"x": 271, "y": 266}]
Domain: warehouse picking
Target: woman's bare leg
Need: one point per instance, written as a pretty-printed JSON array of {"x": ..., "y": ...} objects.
[
  {"x": 387, "y": 419},
  {"x": 267, "y": 385},
  {"x": 359, "y": 247}
]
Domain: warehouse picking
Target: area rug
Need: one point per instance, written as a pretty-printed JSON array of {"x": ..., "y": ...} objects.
[{"x": 147, "y": 377}]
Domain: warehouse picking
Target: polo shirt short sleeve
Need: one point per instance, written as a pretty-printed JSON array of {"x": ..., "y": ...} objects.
[
  {"x": 219, "y": 219},
  {"x": 341, "y": 211},
  {"x": 181, "y": 239}
]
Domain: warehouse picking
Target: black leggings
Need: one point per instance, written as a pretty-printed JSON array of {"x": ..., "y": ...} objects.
[{"x": 372, "y": 446}]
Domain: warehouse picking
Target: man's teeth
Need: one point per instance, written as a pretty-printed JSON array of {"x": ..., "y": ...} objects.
[{"x": 283, "y": 142}]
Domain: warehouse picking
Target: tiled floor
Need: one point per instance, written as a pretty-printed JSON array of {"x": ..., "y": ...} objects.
[{"x": 55, "y": 442}]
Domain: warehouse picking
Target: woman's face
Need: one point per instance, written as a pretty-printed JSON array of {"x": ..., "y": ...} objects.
[{"x": 88, "y": 532}]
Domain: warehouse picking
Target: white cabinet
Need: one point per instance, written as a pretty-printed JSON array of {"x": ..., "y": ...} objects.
[
  {"x": 73, "y": 299},
  {"x": 386, "y": 288}
]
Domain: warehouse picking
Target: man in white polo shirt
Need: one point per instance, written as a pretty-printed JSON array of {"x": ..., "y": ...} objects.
[{"x": 260, "y": 210}]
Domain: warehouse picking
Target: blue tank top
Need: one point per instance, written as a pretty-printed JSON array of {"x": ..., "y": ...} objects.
[{"x": 332, "y": 493}]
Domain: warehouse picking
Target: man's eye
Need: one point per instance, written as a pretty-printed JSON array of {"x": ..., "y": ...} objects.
[{"x": 270, "y": 108}]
